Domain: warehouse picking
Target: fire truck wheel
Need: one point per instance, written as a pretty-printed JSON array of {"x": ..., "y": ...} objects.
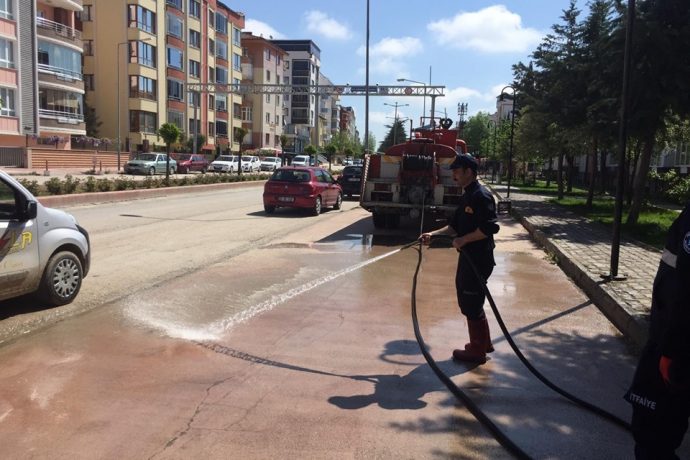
[
  {"x": 379, "y": 220},
  {"x": 392, "y": 221}
]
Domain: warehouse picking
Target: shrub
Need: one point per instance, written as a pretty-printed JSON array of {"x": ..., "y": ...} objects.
[
  {"x": 122, "y": 183},
  {"x": 90, "y": 184},
  {"x": 31, "y": 185},
  {"x": 54, "y": 186},
  {"x": 70, "y": 185},
  {"x": 103, "y": 185}
]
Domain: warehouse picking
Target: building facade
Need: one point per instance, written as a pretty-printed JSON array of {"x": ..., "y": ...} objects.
[
  {"x": 329, "y": 108},
  {"x": 41, "y": 81},
  {"x": 141, "y": 55},
  {"x": 303, "y": 67},
  {"x": 348, "y": 122},
  {"x": 263, "y": 115}
]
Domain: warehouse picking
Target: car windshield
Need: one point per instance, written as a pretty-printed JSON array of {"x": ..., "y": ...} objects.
[
  {"x": 226, "y": 158},
  {"x": 184, "y": 157},
  {"x": 352, "y": 171},
  {"x": 146, "y": 157},
  {"x": 291, "y": 175}
]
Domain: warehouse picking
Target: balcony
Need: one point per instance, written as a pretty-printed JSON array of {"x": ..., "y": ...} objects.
[
  {"x": 71, "y": 5},
  {"x": 52, "y": 29}
]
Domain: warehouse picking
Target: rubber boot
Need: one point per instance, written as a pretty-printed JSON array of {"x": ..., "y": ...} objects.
[
  {"x": 475, "y": 351},
  {"x": 489, "y": 345}
]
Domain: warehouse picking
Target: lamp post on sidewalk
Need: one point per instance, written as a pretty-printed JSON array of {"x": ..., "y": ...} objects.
[
  {"x": 424, "y": 100},
  {"x": 512, "y": 129},
  {"x": 493, "y": 150}
]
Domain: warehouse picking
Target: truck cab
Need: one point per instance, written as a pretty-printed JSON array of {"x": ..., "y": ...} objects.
[{"x": 43, "y": 251}]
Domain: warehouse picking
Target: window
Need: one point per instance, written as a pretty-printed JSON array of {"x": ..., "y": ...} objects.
[
  {"x": 221, "y": 24},
  {"x": 246, "y": 114},
  {"x": 141, "y": 18},
  {"x": 6, "y": 54},
  {"x": 268, "y": 98},
  {"x": 268, "y": 76},
  {"x": 55, "y": 103},
  {"x": 221, "y": 102},
  {"x": 236, "y": 61},
  {"x": 267, "y": 139},
  {"x": 222, "y": 128},
  {"x": 88, "y": 47},
  {"x": 237, "y": 82},
  {"x": 175, "y": 90},
  {"x": 268, "y": 117},
  {"x": 142, "y": 53},
  {"x": 59, "y": 60},
  {"x": 89, "y": 82},
  {"x": 174, "y": 25},
  {"x": 236, "y": 34},
  {"x": 176, "y": 3},
  {"x": 267, "y": 54},
  {"x": 194, "y": 38},
  {"x": 211, "y": 129},
  {"x": 194, "y": 99},
  {"x": 211, "y": 46},
  {"x": 221, "y": 75},
  {"x": 142, "y": 122},
  {"x": 277, "y": 119},
  {"x": 222, "y": 50},
  {"x": 175, "y": 58},
  {"x": 286, "y": 80},
  {"x": 176, "y": 118},
  {"x": 237, "y": 111},
  {"x": 84, "y": 15},
  {"x": 287, "y": 65},
  {"x": 211, "y": 75},
  {"x": 191, "y": 126},
  {"x": 7, "y": 98},
  {"x": 142, "y": 87},
  {"x": 194, "y": 8},
  {"x": 194, "y": 68},
  {"x": 211, "y": 102}
]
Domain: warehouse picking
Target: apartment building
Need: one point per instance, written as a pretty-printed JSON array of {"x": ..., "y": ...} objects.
[
  {"x": 329, "y": 109},
  {"x": 303, "y": 67},
  {"x": 139, "y": 57},
  {"x": 263, "y": 115},
  {"x": 41, "y": 83},
  {"x": 348, "y": 121}
]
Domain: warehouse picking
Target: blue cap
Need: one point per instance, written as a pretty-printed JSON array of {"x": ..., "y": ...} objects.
[{"x": 464, "y": 161}]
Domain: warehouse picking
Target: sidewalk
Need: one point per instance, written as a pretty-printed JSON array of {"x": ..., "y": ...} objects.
[{"x": 583, "y": 250}]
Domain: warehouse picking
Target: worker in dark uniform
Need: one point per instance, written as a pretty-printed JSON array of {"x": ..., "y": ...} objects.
[
  {"x": 473, "y": 226},
  {"x": 660, "y": 392}
]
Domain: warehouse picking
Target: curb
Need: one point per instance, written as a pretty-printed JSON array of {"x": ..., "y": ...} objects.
[{"x": 128, "y": 195}]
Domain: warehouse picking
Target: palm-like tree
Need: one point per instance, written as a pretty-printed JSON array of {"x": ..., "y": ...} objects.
[
  {"x": 170, "y": 134},
  {"x": 240, "y": 132}
]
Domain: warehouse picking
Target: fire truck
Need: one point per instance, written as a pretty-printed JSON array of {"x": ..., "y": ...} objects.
[{"x": 412, "y": 176}]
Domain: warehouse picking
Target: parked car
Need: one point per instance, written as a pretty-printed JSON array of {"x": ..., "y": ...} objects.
[
  {"x": 43, "y": 251},
  {"x": 250, "y": 164},
  {"x": 150, "y": 163},
  {"x": 358, "y": 162},
  {"x": 351, "y": 180},
  {"x": 305, "y": 187},
  {"x": 224, "y": 163},
  {"x": 300, "y": 160},
  {"x": 188, "y": 162},
  {"x": 270, "y": 163},
  {"x": 347, "y": 161}
]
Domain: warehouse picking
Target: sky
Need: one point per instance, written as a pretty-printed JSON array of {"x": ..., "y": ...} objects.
[{"x": 468, "y": 46}]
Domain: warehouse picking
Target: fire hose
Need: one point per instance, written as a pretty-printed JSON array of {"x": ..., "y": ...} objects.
[{"x": 499, "y": 435}]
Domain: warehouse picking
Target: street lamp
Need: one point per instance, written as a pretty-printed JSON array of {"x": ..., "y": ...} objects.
[
  {"x": 119, "y": 139},
  {"x": 424, "y": 103},
  {"x": 395, "y": 122},
  {"x": 512, "y": 128}
]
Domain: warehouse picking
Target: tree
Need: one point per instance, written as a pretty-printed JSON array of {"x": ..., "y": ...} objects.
[
  {"x": 284, "y": 141},
  {"x": 311, "y": 151},
  {"x": 370, "y": 144},
  {"x": 170, "y": 134},
  {"x": 200, "y": 142},
  {"x": 477, "y": 134},
  {"x": 91, "y": 120},
  {"x": 396, "y": 135},
  {"x": 240, "y": 132},
  {"x": 330, "y": 151}
]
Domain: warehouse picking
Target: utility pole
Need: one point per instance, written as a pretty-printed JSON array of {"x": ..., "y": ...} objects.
[{"x": 395, "y": 122}]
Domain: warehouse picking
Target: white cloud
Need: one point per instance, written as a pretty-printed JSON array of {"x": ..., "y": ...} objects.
[
  {"x": 388, "y": 55},
  {"x": 319, "y": 23},
  {"x": 261, "y": 29},
  {"x": 491, "y": 30}
]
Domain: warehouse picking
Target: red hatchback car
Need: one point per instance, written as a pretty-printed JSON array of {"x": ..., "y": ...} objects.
[
  {"x": 305, "y": 187},
  {"x": 187, "y": 162}
]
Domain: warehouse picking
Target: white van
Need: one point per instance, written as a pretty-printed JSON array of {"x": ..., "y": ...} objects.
[
  {"x": 42, "y": 250},
  {"x": 300, "y": 160}
]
